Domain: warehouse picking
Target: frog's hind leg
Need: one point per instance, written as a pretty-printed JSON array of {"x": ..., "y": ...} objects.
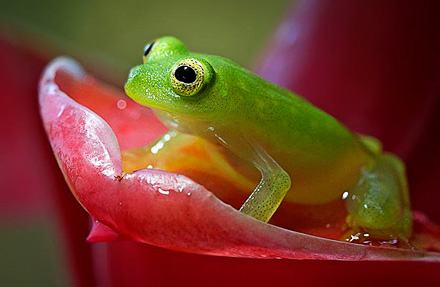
[
  {"x": 270, "y": 192},
  {"x": 379, "y": 203}
]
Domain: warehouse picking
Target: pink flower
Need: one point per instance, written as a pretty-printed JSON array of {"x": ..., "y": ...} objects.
[{"x": 157, "y": 207}]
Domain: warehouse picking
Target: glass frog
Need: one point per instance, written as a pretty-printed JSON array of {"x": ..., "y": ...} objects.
[{"x": 302, "y": 153}]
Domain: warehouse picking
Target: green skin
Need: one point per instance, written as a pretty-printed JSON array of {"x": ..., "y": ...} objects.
[{"x": 281, "y": 134}]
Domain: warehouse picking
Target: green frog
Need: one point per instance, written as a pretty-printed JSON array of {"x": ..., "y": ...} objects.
[{"x": 304, "y": 155}]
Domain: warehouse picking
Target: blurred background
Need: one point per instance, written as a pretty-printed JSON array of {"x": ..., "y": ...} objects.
[
  {"x": 113, "y": 33},
  {"x": 108, "y": 38}
]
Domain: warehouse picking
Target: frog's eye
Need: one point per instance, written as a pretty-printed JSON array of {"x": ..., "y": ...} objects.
[
  {"x": 187, "y": 77},
  {"x": 147, "y": 50}
]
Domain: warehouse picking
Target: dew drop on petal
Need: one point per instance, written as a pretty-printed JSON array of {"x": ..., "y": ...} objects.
[
  {"x": 166, "y": 192},
  {"x": 121, "y": 104}
]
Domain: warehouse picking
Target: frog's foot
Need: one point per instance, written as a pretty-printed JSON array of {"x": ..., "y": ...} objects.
[
  {"x": 379, "y": 204},
  {"x": 270, "y": 192}
]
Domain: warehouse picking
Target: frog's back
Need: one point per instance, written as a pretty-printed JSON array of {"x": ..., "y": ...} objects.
[{"x": 322, "y": 156}]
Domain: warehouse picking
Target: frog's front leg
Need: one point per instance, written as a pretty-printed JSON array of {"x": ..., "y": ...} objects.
[{"x": 270, "y": 192}]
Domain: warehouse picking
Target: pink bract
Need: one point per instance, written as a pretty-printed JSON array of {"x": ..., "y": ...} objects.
[{"x": 157, "y": 207}]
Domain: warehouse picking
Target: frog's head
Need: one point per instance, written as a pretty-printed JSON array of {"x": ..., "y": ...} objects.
[{"x": 178, "y": 82}]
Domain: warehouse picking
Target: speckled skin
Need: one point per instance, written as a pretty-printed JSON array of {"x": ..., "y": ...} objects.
[{"x": 283, "y": 135}]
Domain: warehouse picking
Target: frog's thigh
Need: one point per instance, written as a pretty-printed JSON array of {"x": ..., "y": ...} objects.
[
  {"x": 379, "y": 203},
  {"x": 270, "y": 192}
]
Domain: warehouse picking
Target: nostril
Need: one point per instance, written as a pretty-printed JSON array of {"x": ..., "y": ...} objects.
[{"x": 133, "y": 73}]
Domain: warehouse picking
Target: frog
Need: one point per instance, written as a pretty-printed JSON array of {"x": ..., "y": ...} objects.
[{"x": 302, "y": 153}]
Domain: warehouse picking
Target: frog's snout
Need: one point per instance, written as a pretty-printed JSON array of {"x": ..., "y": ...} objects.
[
  {"x": 133, "y": 73},
  {"x": 130, "y": 84}
]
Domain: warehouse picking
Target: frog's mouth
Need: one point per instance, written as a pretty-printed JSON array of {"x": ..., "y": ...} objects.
[
  {"x": 183, "y": 124},
  {"x": 173, "y": 121}
]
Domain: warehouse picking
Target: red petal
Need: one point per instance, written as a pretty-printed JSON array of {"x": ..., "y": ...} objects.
[
  {"x": 163, "y": 208},
  {"x": 102, "y": 233}
]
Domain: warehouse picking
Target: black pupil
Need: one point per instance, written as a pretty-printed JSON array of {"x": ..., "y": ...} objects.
[
  {"x": 147, "y": 48},
  {"x": 185, "y": 74}
]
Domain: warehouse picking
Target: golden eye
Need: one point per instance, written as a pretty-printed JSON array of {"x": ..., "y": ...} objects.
[{"x": 187, "y": 77}]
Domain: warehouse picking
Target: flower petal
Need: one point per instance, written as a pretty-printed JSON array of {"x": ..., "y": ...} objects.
[
  {"x": 102, "y": 233},
  {"x": 163, "y": 208}
]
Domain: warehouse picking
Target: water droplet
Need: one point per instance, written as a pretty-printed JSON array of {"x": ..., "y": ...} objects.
[
  {"x": 121, "y": 104},
  {"x": 166, "y": 192},
  {"x": 158, "y": 146}
]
